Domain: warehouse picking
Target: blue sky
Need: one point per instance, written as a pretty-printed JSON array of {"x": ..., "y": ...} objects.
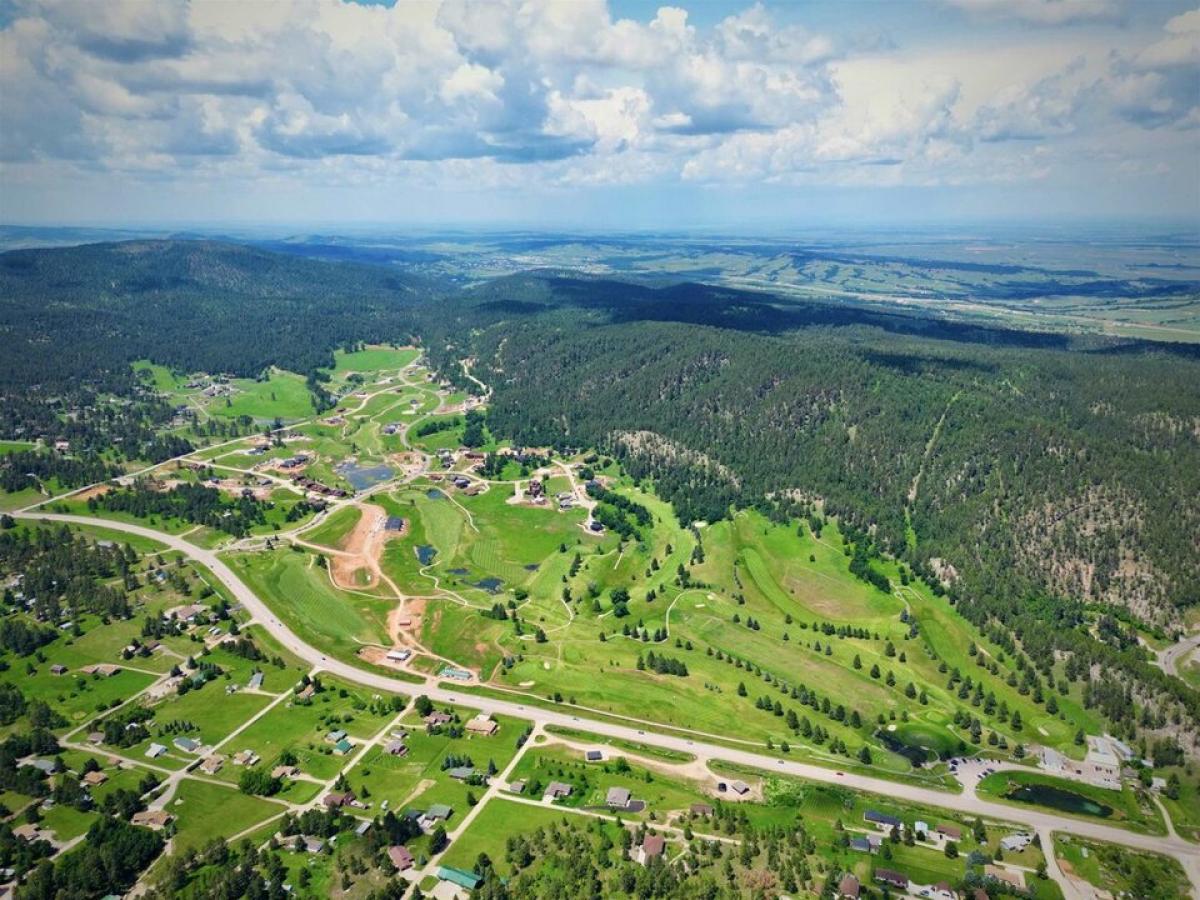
[{"x": 582, "y": 113}]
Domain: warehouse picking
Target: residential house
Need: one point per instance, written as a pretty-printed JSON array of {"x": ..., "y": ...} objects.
[
  {"x": 106, "y": 670},
  {"x": 863, "y": 844},
  {"x": 58, "y": 669},
  {"x": 439, "y": 812},
  {"x": 701, "y": 809},
  {"x": 882, "y": 821},
  {"x": 154, "y": 751},
  {"x": 334, "y": 736},
  {"x": 401, "y": 857},
  {"x": 437, "y": 717},
  {"x": 342, "y": 747},
  {"x": 156, "y": 819},
  {"x": 593, "y": 756},
  {"x": 556, "y": 790},
  {"x": 245, "y": 758},
  {"x": 460, "y": 877},
  {"x": 1015, "y": 843},
  {"x": 483, "y": 724},
  {"x": 186, "y": 744},
  {"x": 284, "y": 772},
  {"x": 517, "y": 787},
  {"x": 617, "y": 798},
  {"x": 652, "y": 848},
  {"x": 94, "y": 778},
  {"x": 461, "y": 773},
  {"x": 949, "y": 832},
  {"x": 395, "y": 747},
  {"x": 848, "y": 888},
  {"x": 1013, "y": 877},
  {"x": 338, "y": 799},
  {"x": 892, "y": 878},
  {"x": 212, "y": 764},
  {"x": 740, "y": 788}
]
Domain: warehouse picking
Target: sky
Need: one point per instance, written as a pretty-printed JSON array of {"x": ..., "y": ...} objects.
[{"x": 598, "y": 115}]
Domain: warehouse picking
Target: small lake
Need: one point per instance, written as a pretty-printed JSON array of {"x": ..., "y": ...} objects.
[
  {"x": 425, "y": 554},
  {"x": 363, "y": 477},
  {"x": 915, "y": 754},
  {"x": 1060, "y": 799}
]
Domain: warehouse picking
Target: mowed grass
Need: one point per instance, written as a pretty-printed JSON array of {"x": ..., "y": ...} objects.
[
  {"x": 205, "y": 811},
  {"x": 336, "y": 527},
  {"x": 374, "y": 358},
  {"x": 302, "y": 728},
  {"x": 501, "y": 819},
  {"x": 300, "y": 593},
  {"x": 282, "y": 394},
  {"x": 419, "y": 778},
  {"x": 214, "y": 714},
  {"x": 662, "y": 794}
]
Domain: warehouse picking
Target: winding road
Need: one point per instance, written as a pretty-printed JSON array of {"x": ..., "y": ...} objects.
[{"x": 1044, "y": 823}]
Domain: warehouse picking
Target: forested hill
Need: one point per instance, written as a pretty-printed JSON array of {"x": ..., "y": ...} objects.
[
  {"x": 1062, "y": 466},
  {"x": 80, "y": 312},
  {"x": 1014, "y": 464}
]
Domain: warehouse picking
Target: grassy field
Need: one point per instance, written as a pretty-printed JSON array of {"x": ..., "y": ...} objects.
[
  {"x": 205, "y": 811},
  {"x": 333, "y": 531},
  {"x": 418, "y": 779},
  {"x": 302, "y": 728},
  {"x": 490, "y": 831},
  {"x": 282, "y": 394},
  {"x": 300, "y": 592}
]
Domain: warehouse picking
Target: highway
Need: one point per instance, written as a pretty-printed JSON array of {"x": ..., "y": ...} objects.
[{"x": 1043, "y": 822}]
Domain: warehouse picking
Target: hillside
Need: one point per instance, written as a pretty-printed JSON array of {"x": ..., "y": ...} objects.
[{"x": 1060, "y": 465}]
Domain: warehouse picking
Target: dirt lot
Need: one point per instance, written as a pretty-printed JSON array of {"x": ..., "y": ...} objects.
[{"x": 360, "y": 551}]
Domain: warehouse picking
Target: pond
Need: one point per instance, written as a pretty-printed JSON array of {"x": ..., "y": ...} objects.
[
  {"x": 434, "y": 494},
  {"x": 914, "y": 753},
  {"x": 491, "y": 585},
  {"x": 363, "y": 477},
  {"x": 457, "y": 571},
  {"x": 425, "y": 553},
  {"x": 1060, "y": 799},
  {"x": 531, "y": 567}
]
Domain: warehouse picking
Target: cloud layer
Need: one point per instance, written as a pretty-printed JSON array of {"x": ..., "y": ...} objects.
[{"x": 562, "y": 94}]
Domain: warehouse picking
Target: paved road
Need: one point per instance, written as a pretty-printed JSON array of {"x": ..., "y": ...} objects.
[
  {"x": 1187, "y": 854},
  {"x": 1169, "y": 659}
]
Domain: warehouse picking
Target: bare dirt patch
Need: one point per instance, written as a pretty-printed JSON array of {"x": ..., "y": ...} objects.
[
  {"x": 361, "y": 549},
  {"x": 405, "y": 621},
  {"x": 98, "y": 490}
]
